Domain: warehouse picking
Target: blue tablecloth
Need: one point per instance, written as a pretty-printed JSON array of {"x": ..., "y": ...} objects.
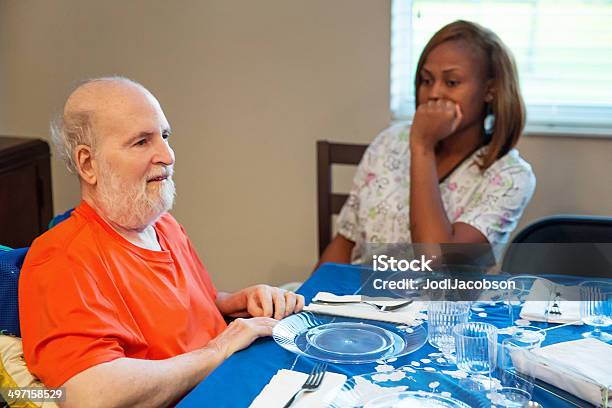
[{"x": 242, "y": 377}]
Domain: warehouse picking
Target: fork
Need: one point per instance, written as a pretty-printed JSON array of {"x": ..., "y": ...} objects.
[
  {"x": 381, "y": 308},
  {"x": 313, "y": 382}
]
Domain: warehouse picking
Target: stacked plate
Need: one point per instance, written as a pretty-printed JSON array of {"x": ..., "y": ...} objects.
[{"x": 345, "y": 340}]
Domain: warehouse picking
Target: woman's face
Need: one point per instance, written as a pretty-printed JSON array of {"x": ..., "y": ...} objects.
[{"x": 455, "y": 71}]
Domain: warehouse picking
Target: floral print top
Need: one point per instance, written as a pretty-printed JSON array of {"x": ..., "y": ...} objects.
[{"x": 377, "y": 210}]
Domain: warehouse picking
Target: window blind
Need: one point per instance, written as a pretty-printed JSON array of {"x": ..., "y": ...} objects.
[{"x": 563, "y": 51}]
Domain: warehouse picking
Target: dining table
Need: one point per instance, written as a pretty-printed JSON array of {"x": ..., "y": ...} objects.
[{"x": 241, "y": 378}]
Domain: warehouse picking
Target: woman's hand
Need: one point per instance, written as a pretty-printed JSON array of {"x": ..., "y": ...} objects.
[{"x": 434, "y": 121}]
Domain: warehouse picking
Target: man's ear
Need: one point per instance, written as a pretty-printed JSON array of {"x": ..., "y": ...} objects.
[
  {"x": 489, "y": 91},
  {"x": 83, "y": 158}
]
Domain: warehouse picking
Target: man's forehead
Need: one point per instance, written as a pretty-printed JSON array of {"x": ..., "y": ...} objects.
[
  {"x": 103, "y": 93},
  {"x": 114, "y": 101}
]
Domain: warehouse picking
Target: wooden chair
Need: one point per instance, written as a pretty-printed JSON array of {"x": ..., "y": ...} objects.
[{"x": 330, "y": 203}]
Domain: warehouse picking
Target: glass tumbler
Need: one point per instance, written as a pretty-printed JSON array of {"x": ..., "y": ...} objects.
[
  {"x": 526, "y": 288},
  {"x": 516, "y": 367},
  {"x": 476, "y": 350},
  {"x": 442, "y": 316}
]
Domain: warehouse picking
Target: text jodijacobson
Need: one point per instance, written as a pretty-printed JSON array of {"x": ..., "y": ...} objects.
[{"x": 443, "y": 284}]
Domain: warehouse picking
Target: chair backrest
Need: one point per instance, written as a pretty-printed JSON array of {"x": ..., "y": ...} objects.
[
  {"x": 10, "y": 268},
  {"x": 590, "y": 258},
  {"x": 11, "y": 261},
  {"x": 59, "y": 218},
  {"x": 330, "y": 203}
]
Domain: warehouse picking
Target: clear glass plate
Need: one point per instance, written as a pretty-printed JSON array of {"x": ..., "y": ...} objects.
[
  {"x": 345, "y": 340},
  {"x": 415, "y": 399},
  {"x": 407, "y": 386}
]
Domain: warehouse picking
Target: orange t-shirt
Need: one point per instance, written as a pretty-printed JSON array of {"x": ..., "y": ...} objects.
[{"x": 87, "y": 296}]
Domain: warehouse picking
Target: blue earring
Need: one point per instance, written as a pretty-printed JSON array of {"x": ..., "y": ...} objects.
[{"x": 489, "y": 121}]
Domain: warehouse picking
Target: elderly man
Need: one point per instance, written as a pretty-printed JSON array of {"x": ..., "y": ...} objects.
[{"x": 115, "y": 304}]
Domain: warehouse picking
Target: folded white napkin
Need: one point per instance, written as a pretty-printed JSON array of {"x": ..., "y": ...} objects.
[
  {"x": 285, "y": 383},
  {"x": 581, "y": 367},
  {"x": 410, "y": 315},
  {"x": 536, "y": 304}
]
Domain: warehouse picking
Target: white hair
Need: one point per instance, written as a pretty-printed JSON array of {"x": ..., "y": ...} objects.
[
  {"x": 134, "y": 205},
  {"x": 76, "y": 128}
]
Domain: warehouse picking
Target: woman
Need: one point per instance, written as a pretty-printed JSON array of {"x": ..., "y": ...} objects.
[{"x": 453, "y": 176}]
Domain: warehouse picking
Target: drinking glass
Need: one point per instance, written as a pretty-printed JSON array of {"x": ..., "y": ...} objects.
[
  {"x": 596, "y": 308},
  {"x": 442, "y": 316},
  {"x": 522, "y": 291},
  {"x": 476, "y": 351},
  {"x": 516, "y": 367}
]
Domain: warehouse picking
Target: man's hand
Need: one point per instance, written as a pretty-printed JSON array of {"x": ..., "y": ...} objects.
[
  {"x": 268, "y": 301},
  {"x": 434, "y": 121},
  {"x": 157, "y": 383},
  {"x": 259, "y": 301},
  {"x": 240, "y": 333}
]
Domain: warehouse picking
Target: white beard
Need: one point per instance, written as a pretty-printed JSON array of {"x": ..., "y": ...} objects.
[{"x": 133, "y": 206}]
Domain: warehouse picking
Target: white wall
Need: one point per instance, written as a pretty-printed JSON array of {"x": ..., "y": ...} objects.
[
  {"x": 573, "y": 175},
  {"x": 248, "y": 87}
]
